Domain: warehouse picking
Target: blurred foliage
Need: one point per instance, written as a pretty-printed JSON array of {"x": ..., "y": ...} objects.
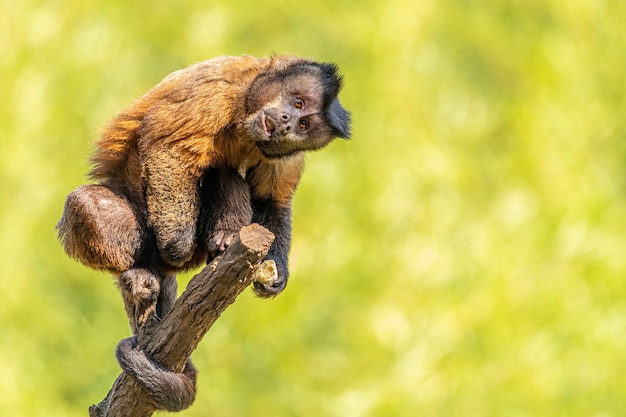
[{"x": 462, "y": 255}]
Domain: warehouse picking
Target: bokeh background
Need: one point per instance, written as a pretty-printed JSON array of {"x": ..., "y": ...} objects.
[{"x": 463, "y": 255}]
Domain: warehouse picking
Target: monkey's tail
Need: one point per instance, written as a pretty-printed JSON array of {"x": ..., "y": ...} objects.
[{"x": 170, "y": 390}]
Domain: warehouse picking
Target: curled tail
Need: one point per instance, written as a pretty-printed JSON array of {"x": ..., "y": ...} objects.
[{"x": 171, "y": 391}]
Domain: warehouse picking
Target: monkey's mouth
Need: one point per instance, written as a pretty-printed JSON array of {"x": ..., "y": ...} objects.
[
  {"x": 269, "y": 127},
  {"x": 272, "y": 150}
]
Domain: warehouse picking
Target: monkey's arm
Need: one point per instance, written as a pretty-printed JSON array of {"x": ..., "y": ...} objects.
[
  {"x": 272, "y": 187},
  {"x": 224, "y": 209},
  {"x": 172, "y": 203},
  {"x": 277, "y": 219},
  {"x": 176, "y": 144}
]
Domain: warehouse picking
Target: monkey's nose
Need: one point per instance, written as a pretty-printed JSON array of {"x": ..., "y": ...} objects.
[{"x": 285, "y": 117}]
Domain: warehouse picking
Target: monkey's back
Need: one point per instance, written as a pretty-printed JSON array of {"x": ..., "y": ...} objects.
[{"x": 176, "y": 112}]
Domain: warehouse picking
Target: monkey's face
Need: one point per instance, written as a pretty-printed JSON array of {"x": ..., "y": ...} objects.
[{"x": 292, "y": 114}]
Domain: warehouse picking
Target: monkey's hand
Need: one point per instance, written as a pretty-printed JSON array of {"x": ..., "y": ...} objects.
[
  {"x": 225, "y": 210},
  {"x": 268, "y": 281},
  {"x": 219, "y": 240}
]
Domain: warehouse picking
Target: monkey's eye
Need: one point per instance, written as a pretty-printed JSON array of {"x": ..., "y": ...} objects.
[
  {"x": 304, "y": 125},
  {"x": 298, "y": 103}
]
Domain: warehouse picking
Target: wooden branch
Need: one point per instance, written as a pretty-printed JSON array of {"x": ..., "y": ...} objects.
[{"x": 207, "y": 295}]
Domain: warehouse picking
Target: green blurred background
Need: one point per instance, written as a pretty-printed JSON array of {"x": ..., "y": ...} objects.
[{"x": 463, "y": 255}]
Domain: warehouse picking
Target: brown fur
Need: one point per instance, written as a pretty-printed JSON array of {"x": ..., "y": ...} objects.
[
  {"x": 208, "y": 150},
  {"x": 177, "y": 130},
  {"x": 231, "y": 114}
]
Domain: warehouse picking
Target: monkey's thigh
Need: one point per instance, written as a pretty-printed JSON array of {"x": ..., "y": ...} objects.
[{"x": 100, "y": 229}]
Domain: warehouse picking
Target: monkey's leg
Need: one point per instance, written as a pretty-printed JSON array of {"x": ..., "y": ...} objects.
[
  {"x": 147, "y": 297},
  {"x": 225, "y": 209},
  {"x": 147, "y": 300},
  {"x": 277, "y": 219},
  {"x": 167, "y": 295},
  {"x": 100, "y": 229},
  {"x": 170, "y": 390},
  {"x": 140, "y": 290}
]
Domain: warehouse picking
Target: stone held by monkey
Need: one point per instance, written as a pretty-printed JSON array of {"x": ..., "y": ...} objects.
[{"x": 208, "y": 150}]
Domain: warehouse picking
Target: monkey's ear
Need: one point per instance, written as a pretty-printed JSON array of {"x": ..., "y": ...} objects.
[{"x": 338, "y": 119}]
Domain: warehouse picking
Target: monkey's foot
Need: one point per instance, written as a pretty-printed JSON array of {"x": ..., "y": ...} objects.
[
  {"x": 140, "y": 290},
  {"x": 267, "y": 282},
  {"x": 171, "y": 391},
  {"x": 219, "y": 241}
]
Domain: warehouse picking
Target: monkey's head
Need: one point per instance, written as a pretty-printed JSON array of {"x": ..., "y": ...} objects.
[{"x": 294, "y": 108}]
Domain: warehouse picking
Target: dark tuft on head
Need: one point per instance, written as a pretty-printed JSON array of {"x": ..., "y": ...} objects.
[
  {"x": 331, "y": 80},
  {"x": 338, "y": 119},
  {"x": 337, "y": 116}
]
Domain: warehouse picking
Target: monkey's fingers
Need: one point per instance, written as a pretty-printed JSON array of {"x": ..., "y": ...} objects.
[
  {"x": 219, "y": 241},
  {"x": 215, "y": 242}
]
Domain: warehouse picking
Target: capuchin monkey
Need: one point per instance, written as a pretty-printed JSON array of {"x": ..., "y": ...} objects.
[{"x": 210, "y": 149}]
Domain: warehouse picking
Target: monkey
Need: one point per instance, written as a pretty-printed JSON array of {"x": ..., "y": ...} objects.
[{"x": 210, "y": 149}]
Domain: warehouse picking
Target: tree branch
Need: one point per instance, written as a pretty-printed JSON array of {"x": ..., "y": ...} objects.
[{"x": 207, "y": 295}]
